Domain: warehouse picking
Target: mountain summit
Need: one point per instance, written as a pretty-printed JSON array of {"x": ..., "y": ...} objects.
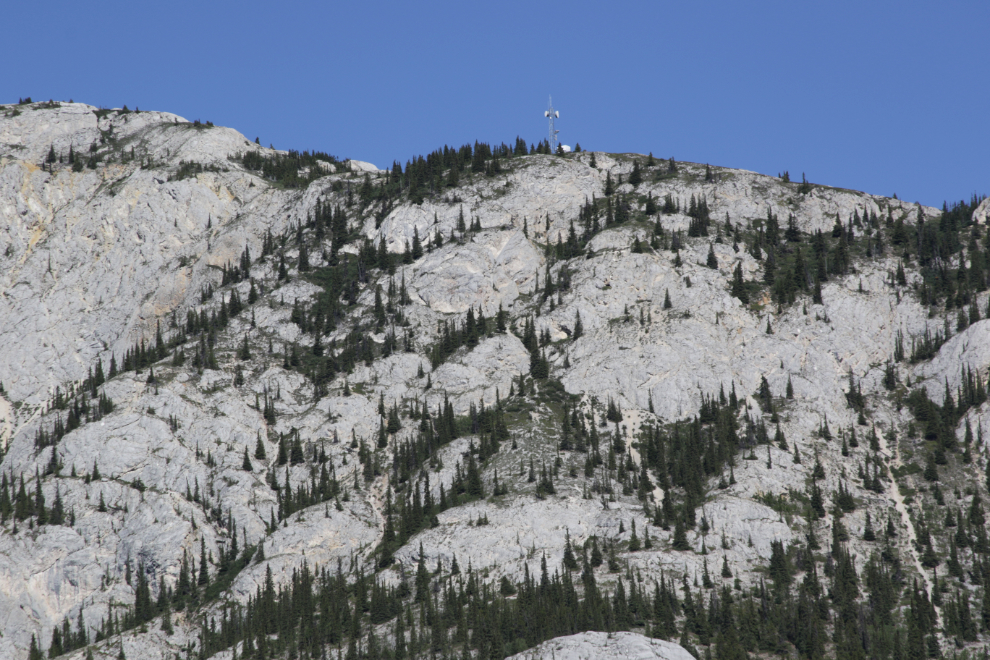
[{"x": 494, "y": 401}]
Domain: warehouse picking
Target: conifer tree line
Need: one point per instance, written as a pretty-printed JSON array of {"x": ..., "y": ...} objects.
[
  {"x": 790, "y": 266},
  {"x": 445, "y": 610},
  {"x": 938, "y": 423},
  {"x": 950, "y": 272},
  {"x": 111, "y": 149},
  {"x": 20, "y": 501},
  {"x": 186, "y": 169},
  {"x": 952, "y": 258},
  {"x": 421, "y": 176},
  {"x": 452, "y": 335},
  {"x": 284, "y": 169},
  {"x": 83, "y": 404}
]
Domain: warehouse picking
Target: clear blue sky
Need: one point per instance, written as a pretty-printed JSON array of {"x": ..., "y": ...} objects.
[{"x": 878, "y": 96}]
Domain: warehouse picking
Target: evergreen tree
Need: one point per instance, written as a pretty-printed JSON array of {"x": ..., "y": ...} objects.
[
  {"x": 712, "y": 261},
  {"x": 303, "y": 258},
  {"x": 34, "y": 653},
  {"x": 634, "y": 544},
  {"x": 738, "y": 288},
  {"x": 422, "y": 578},
  {"x": 680, "y": 537},
  {"x": 570, "y": 562},
  {"x": 296, "y": 456},
  {"x": 417, "y": 245},
  {"x": 204, "y": 576},
  {"x": 651, "y": 205},
  {"x": 635, "y": 177},
  {"x": 868, "y": 533}
]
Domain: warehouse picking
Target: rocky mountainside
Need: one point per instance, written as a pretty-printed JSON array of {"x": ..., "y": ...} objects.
[{"x": 259, "y": 403}]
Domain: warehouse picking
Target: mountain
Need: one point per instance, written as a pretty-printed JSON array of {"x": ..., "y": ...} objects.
[{"x": 262, "y": 403}]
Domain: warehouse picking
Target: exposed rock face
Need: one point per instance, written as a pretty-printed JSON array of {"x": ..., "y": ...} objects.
[
  {"x": 603, "y": 646},
  {"x": 113, "y": 249},
  {"x": 486, "y": 272},
  {"x": 982, "y": 212},
  {"x": 95, "y": 259},
  {"x": 361, "y": 166}
]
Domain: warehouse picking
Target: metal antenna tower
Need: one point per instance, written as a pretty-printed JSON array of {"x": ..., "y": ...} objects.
[{"x": 552, "y": 114}]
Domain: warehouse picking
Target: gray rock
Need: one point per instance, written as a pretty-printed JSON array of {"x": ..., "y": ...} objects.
[
  {"x": 605, "y": 646},
  {"x": 361, "y": 166}
]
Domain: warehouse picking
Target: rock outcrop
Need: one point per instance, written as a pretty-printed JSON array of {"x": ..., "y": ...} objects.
[{"x": 603, "y": 646}]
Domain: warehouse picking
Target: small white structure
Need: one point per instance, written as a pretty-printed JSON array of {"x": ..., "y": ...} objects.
[{"x": 566, "y": 148}]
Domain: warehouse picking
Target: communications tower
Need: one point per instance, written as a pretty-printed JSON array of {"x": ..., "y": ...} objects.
[{"x": 552, "y": 114}]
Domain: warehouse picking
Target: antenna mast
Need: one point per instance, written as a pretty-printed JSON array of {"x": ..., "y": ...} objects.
[{"x": 552, "y": 114}]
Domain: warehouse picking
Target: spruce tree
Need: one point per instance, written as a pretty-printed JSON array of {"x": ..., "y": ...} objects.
[
  {"x": 738, "y": 288},
  {"x": 204, "y": 576},
  {"x": 931, "y": 470},
  {"x": 680, "y": 537},
  {"x": 651, "y": 205},
  {"x": 34, "y": 653},
  {"x": 417, "y": 245},
  {"x": 635, "y": 177},
  {"x": 570, "y": 562},
  {"x": 296, "y": 456},
  {"x": 868, "y": 533},
  {"x": 634, "y": 540}
]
